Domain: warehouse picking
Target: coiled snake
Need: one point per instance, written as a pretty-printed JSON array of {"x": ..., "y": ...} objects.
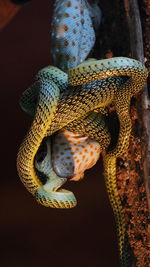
[
  {"x": 75, "y": 102},
  {"x": 91, "y": 85}
]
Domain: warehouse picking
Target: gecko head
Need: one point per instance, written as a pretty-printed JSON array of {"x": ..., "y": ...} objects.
[{"x": 63, "y": 156}]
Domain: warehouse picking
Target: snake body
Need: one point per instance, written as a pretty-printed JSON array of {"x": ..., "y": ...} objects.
[
  {"x": 58, "y": 100},
  {"x": 55, "y": 110},
  {"x": 91, "y": 85},
  {"x": 122, "y": 103}
]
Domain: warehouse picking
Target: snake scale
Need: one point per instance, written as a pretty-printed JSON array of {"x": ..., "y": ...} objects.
[{"x": 59, "y": 100}]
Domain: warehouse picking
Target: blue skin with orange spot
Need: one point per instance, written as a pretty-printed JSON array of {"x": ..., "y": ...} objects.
[{"x": 72, "y": 35}]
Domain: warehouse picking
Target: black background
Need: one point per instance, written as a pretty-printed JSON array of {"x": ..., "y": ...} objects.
[{"x": 32, "y": 235}]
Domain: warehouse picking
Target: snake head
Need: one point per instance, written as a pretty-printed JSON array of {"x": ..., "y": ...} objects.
[
  {"x": 62, "y": 199},
  {"x": 50, "y": 194}
]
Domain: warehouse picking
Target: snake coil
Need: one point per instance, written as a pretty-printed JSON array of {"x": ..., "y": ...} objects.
[{"x": 91, "y": 85}]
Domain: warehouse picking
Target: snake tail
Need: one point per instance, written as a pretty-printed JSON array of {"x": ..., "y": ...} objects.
[
  {"x": 122, "y": 108},
  {"x": 110, "y": 180}
]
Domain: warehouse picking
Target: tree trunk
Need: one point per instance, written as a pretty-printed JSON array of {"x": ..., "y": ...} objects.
[{"x": 121, "y": 35}]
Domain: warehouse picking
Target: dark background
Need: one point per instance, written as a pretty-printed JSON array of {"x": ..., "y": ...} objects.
[{"x": 32, "y": 235}]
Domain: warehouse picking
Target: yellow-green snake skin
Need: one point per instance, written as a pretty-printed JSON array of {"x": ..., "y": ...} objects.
[{"x": 91, "y": 85}]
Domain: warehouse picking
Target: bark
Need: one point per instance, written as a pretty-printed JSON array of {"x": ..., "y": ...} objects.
[
  {"x": 121, "y": 35},
  {"x": 133, "y": 168}
]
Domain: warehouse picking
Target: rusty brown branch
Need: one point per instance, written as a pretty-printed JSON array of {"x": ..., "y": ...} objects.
[
  {"x": 133, "y": 168},
  {"x": 136, "y": 43}
]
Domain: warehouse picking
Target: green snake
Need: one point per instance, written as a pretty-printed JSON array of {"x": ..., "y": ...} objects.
[{"x": 60, "y": 100}]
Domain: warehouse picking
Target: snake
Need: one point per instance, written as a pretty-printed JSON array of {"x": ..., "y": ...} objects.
[
  {"x": 61, "y": 100},
  {"x": 71, "y": 98}
]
